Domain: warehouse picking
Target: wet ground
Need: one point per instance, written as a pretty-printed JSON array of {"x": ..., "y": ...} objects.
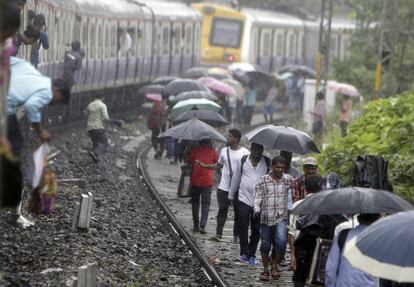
[{"x": 129, "y": 239}]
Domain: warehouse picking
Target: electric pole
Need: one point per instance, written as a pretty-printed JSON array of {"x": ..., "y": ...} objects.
[{"x": 322, "y": 58}]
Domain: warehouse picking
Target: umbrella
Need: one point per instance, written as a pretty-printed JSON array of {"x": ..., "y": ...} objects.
[
  {"x": 245, "y": 67},
  {"x": 219, "y": 76},
  {"x": 236, "y": 86},
  {"x": 183, "y": 85},
  {"x": 344, "y": 89},
  {"x": 385, "y": 249},
  {"x": 193, "y": 130},
  {"x": 163, "y": 80},
  {"x": 218, "y": 71},
  {"x": 209, "y": 117},
  {"x": 352, "y": 200},
  {"x": 283, "y": 138},
  {"x": 154, "y": 97},
  {"x": 200, "y": 104},
  {"x": 299, "y": 69},
  {"x": 194, "y": 95},
  {"x": 151, "y": 89},
  {"x": 241, "y": 77},
  {"x": 195, "y": 73},
  {"x": 284, "y": 76},
  {"x": 260, "y": 79},
  {"x": 218, "y": 86}
]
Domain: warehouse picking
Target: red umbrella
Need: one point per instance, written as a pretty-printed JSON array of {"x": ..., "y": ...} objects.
[{"x": 344, "y": 89}]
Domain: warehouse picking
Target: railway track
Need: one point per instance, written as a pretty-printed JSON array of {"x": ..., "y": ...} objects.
[{"x": 218, "y": 260}]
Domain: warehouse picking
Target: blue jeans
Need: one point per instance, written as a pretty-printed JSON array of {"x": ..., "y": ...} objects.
[
  {"x": 274, "y": 235},
  {"x": 205, "y": 194},
  {"x": 246, "y": 217}
]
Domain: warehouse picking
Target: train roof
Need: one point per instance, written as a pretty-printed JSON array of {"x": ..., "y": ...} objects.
[
  {"x": 117, "y": 8},
  {"x": 263, "y": 17},
  {"x": 170, "y": 10}
]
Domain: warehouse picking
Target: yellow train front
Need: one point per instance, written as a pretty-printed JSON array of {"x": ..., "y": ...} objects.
[{"x": 222, "y": 34}]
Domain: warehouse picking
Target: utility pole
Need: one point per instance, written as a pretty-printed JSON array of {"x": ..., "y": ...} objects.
[{"x": 322, "y": 58}]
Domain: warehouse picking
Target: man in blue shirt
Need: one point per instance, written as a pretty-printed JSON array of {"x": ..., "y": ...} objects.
[{"x": 32, "y": 91}]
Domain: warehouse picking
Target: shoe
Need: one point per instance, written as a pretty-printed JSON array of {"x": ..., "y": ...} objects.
[
  {"x": 203, "y": 231},
  {"x": 195, "y": 229},
  {"x": 235, "y": 239},
  {"x": 24, "y": 222},
  {"x": 93, "y": 156},
  {"x": 216, "y": 238},
  {"x": 244, "y": 259},
  {"x": 252, "y": 261}
]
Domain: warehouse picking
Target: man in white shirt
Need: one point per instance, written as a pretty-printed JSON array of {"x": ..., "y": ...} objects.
[
  {"x": 246, "y": 175},
  {"x": 228, "y": 159}
]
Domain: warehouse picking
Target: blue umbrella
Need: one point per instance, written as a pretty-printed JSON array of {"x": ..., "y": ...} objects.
[{"x": 386, "y": 248}]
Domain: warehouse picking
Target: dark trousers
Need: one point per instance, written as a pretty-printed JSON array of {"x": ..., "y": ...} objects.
[
  {"x": 223, "y": 204},
  {"x": 246, "y": 218},
  {"x": 248, "y": 114},
  {"x": 205, "y": 194},
  {"x": 99, "y": 139},
  {"x": 343, "y": 126},
  {"x": 14, "y": 135}
]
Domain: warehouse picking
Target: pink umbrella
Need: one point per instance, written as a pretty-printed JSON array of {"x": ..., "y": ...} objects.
[
  {"x": 344, "y": 89},
  {"x": 218, "y": 86},
  {"x": 154, "y": 97}
]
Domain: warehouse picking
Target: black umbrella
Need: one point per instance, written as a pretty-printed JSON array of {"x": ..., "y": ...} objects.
[
  {"x": 299, "y": 69},
  {"x": 163, "y": 80},
  {"x": 241, "y": 77},
  {"x": 209, "y": 117},
  {"x": 183, "y": 85},
  {"x": 151, "y": 89},
  {"x": 194, "y": 95},
  {"x": 195, "y": 73},
  {"x": 193, "y": 130},
  {"x": 260, "y": 80},
  {"x": 352, "y": 200},
  {"x": 283, "y": 138}
]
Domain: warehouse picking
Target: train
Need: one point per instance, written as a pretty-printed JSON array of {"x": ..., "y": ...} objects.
[
  {"x": 167, "y": 39},
  {"x": 267, "y": 39}
]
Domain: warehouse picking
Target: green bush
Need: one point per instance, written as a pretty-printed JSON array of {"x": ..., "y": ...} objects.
[{"x": 385, "y": 128}]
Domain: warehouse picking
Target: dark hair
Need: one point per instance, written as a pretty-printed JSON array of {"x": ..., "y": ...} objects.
[
  {"x": 76, "y": 45},
  {"x": 368, "y": 218},
  {"x": 205, "y": 141},
  {"x": 10, "y": 18},
  {"x": 31, "y": 15},
  {"x": 287, "y": 155},
  {"x": 278, "y": 159},
  {"x": 32, "y": 32},
  {"x": 64, "y": 89},
  {"x": 39, "y": 21},
  {"x": 320, "y": 95},
  {"x": 256, "y": 147},
  {"x": 313, "y": 183},
  {"x": 236, "y": 134}
]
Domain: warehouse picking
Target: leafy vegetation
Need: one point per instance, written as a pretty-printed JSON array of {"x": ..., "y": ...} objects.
[{"x": 385, "y": 128}]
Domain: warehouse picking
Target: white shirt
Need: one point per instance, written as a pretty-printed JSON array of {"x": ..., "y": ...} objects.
[
  {"x": 235, "y": 157},
  {"x": 247, "y": 181}
]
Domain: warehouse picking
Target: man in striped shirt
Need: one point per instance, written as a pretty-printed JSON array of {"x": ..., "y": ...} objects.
[{"x": 271, "y": 201}]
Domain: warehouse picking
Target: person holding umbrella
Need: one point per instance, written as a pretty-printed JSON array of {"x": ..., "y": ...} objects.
[
  {"x": 271, "y": 202},
  {"x": 345, "y": 116},
  {"x": 201, "y": 182},
  {"x": 339, "y": 272}
]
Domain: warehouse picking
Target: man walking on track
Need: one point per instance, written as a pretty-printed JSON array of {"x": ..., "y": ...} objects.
[
  {"x": 271, "y": 201},
  {"x": 201, "y": 183},
  {"x": 246, "y": 175},
  {"x": 228, "y": 159}
]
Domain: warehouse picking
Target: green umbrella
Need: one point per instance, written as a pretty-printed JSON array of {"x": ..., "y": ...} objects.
[{"x": 199, "y": 104}]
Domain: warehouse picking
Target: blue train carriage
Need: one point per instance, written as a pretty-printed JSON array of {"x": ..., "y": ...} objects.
[
  {"x": 273, "y": 39},
  {"x": 177, "y": 38}
]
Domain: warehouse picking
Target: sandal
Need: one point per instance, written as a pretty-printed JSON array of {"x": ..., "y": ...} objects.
[
  {"x": 275, "y": 274},
  {"x": 264, "y": 276}
]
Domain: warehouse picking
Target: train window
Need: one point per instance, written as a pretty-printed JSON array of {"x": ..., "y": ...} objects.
[
  {"x": 93, "y": 40},
  {"x": 266, "y": 44},
  {"x": 226, "y": 32},
  {"x": 177, "y": 39},
  {"x": 189, "y": 40},
  {"x": 100, "y": 41},
  {"x": 165, "y": 40},
  {"x": 291, "y": 47},
  {"x": 197, "y": 38},
  {"x": 333, "y": 46},
  {"x": 253, "y": 43},
  {"x": 149, "y": 43},
  {"x": 279, "y": 44}
]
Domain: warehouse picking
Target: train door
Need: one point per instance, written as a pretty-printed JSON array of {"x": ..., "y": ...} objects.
[
  {"x": 278, "y": 50},
  {"x": 92, "y": 27},
  {"x": 188, "y": 46},
  {"x": 112, "y": 39},
  {"x": 149, "y": 51},
  {"x": 106, "y": 52},
  {"x": 290, "y": 54},
  {"x": 140, "y": 47},
  {"x": 197, "y": 44},
  {"x": 164, "y": 51},
  {"x": 131, "y": 53},
  {"x": 98, "y": 63},
  {"x": 176, "y": 57},
  {"x": 124, "y": 46},
  {"x": 265, "y": 49}
]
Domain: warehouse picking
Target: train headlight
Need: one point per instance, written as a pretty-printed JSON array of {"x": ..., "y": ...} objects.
[{"x": 229, "y": 58}]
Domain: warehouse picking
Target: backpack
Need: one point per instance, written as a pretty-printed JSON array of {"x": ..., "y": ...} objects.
[
  {"x": 244, "y": 158},
  {"x": 372, "y": 172},
  {"x": 342, "y": 239}
]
